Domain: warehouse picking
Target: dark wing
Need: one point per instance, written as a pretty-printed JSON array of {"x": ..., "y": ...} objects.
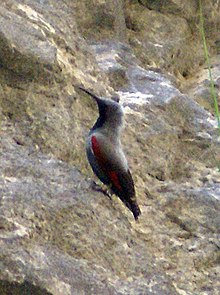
[
  {"x": 119, "y": 179},
  {"x": 96, "y": 167},
  {"x": 127, "y": 192}
]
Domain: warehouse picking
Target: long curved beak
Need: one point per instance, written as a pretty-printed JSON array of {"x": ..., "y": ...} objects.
[{"x": 90, "y": 93}]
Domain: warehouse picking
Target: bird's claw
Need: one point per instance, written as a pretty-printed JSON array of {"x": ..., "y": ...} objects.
[{"x": 96, "y": 187}]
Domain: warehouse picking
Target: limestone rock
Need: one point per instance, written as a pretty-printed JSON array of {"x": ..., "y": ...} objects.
[
  {"x": 58, "y": 235},
  {"x": 150, "y": 23},
  {"x": 24, "y": 49}
]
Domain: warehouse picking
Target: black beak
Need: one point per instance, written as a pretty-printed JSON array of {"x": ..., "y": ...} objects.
[{"x": 90, "y": 93}]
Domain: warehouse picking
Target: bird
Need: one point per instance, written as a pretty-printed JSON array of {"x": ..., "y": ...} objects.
[{"x": 105, "y": 153}]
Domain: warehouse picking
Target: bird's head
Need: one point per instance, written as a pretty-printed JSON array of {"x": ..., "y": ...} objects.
[{"x": 110, "y": 112}]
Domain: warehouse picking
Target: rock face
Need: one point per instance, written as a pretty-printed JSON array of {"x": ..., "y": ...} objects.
[{"x": 58, "y": 235}]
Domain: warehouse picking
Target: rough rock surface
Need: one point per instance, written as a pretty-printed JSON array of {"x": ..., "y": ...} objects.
[{"x": 58, "y": 235}]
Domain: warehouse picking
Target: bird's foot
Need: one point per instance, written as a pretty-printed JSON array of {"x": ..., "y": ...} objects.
[{"x": 96, "y": 187}]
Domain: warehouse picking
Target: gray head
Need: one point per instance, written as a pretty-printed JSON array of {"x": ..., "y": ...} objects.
[{"x": 110, "y": 112}]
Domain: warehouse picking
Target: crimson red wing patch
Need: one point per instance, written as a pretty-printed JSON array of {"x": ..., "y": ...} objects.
[
  {"x": 114, "y": 178},
  {"x": 101, "y": 159},
  {"x": 95, "y": 146}
]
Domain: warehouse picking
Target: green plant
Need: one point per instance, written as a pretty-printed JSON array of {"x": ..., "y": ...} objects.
[{"x": 212, "y": 86}]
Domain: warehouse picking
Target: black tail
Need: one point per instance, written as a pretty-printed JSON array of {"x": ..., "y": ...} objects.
[
  {"x": 136, "y": 211},
  {"x": 133, "y": 206},
  {"x": 127, "y": 192}
]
